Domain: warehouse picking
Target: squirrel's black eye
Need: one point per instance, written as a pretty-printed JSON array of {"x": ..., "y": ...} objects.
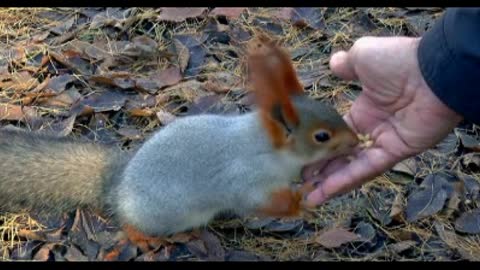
[{"x": 321, "y": 136}]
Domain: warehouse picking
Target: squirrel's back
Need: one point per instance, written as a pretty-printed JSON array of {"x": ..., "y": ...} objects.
[{"x": 54, "y": 174}]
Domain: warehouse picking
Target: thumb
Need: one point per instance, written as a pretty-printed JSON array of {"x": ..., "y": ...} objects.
[{"x": 342, "y": 66}]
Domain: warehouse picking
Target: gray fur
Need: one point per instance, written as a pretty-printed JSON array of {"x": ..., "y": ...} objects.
[{"x": 179, "y": 179}]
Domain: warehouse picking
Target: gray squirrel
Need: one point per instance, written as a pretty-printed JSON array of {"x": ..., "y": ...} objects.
[{"x": 193, "y": 168}]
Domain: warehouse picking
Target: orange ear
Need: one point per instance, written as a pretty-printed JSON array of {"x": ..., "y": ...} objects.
[{"x": 273, "y": 79}]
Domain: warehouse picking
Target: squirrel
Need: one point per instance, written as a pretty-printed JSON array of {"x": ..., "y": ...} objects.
[{"x": 191, "y": 169}]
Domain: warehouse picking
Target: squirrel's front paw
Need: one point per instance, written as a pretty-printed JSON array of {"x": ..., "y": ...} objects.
[{"x": 287, "y": 202}]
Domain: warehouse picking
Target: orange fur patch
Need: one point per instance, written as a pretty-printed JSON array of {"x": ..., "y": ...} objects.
[{"x": 273, "y": 79}]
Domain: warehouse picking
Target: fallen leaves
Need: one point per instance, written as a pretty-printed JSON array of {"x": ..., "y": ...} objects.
[
  {"x": 336, "y": 237},
  {"x": 180, "y": 14},
  {"x": 428, "y": 200},
  {"x": 469, "y": 222}
]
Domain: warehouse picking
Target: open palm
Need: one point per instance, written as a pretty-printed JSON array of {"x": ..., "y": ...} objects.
[{"x": 396, "y": 108}]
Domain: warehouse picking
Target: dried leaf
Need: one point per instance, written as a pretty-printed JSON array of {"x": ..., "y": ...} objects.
[
  {"x": 284, "y": 225},
  {"x": 18, "y": 82},
  {"x": 401, "y": 246},
  {"x": 44, "y": 253},
  {"x": 214, "y": 248},
  {"x": 408, "y": 166},
  {"x": 57, "y": 84},
  {"x": 428, "y": 200},
  {"x": 196, "y": 51},
  {"x": 105, "y": 101},
  {"x": 16, "y": 112},
  {"x": 128, "y": 253},
  {"x": 75, "y": 255},
  {"x": 110, "y": 17},
  {"x": 63, "y": 100},
  {"x": 313, "y": 73},
  {"x": 167, "y": 77},
  {"x": 197, "y": 248},
  {"x": 258, "y": 223},
  {"x": 397, "y": 207},
  {"x": 165, "y": 117},
  {"x": 472, "y": 187},
  {"x": 141, "y": 47},
  {"x": 180, "y": 14},
  {"x": 303, "y": 17},
  {"x": 468, "y": 141},
  {"x": 469, "y": 222},
  {"x": 64, "y": 128},
  {"x": 183, "y": 55},
  {"x": 147, "y": 85},
  {"x": 336, "y": 237},
  {"x": 32, "y": 235},
  {"x": 365, "y": 231},
  {"x": 455, "y": 198},
  {"x": 471, "y": 160},
  {"x": 228, "y": 12},
  {"x": 130, "y": 133},
  {"x": 73, "y": 61},
  {"x": 139, "y": 112},
  {"x": 65, "y": 25}
]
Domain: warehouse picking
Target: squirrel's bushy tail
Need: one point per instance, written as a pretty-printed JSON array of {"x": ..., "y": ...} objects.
[{"x": 43, "y": 172}]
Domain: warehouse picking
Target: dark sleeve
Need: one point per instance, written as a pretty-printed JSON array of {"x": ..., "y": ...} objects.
[{"x": 449, "y": 59}]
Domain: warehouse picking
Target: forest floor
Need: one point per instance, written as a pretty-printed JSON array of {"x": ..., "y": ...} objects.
[{"x": 116, "y": 75}]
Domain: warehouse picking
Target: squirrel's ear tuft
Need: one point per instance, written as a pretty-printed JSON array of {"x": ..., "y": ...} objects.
[{"x": 273, "y": 79}]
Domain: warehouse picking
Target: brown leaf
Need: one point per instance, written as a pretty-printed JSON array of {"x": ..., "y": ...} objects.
[
  {"x": 401, "y": 246},
  {"x": 197, "y": 248},
  {"x": 32, "y": 235},
  {"x": 408, "y": 166},
  {"x": 57, "y": 84},
  {"x": 105, "y": 101},
  {"x": 196, "y": 51},
  {"x": 313, "y": 73},
  {"x": 75, "y": 255},
  {"x": 221, "y": 82},
  {"x": 147, "y": 85},
  {"x": 428, "y": 199},
  {"x": 165, "y": 117},
  {"x": 228, "y": 12},
  {"x": 141, "y": 47},
  {"x": 110, "y": 17},
  {"x": 73, "y": 61},
  {"x": 468, "y": 141},
  {"x": 303, "y": 17},
  {"x": 469, "y": 222},
  {"x": 16, "y": 112},
  {"x": 44, "y": 253},
  {"x": 183, "y": 55},
  {"x": 180, "y": 14},
  {"x": 336, "y": 237},
  {"x": 455, "y": 198},
  {"x": 167, "y": 77},
  {"x": 471, "y": 160},
  {"x": 213, "y": 246},
  {"x": 397, "y": 207},
  {"x": 180, "y": 238},
  {"x": 130, "y": 133},
  {"x": 65, "y": 127},
  {"x": 141, "y": 112},
  {"x": 124, "y": 79},
  {"x": 18, "y": 82},
  {"x": 63, "y": 100},
  {"x": 95, "y": 52}
]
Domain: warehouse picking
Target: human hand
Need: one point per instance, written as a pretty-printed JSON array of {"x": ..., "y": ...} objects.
[{"x": 396, "y": 107}]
